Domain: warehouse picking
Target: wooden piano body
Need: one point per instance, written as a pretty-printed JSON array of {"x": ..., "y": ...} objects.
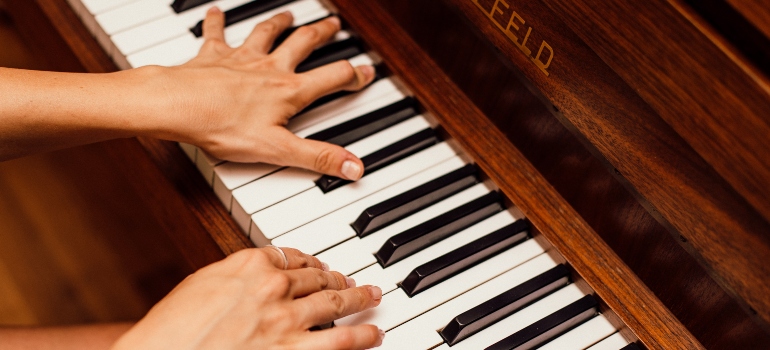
[{"x": 633, "y": 135}]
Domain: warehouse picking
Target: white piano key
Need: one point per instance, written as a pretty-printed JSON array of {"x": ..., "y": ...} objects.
[
  {"x": 422, "y": 331},
  {"x": 166, "y": 28},
  {"x": 350, "y": 114},
  {"x": 396, "y": 307},
  {"x": 230, "y": 176},
  {"x": 582, "y": 336},
  {"x": 335, "y": 228},
  {"x": 289, "y": 182},
  {"x": 377, "y": 91},
  {"x": 181, "y": 49},
  {"x": 519, "y": 320},
  {"x": 206, "y": 163},
  {"x": 613, "y": 342},
  {"x": 189, "y": 150},
  {"x": 311, "y": 204},
  {"x": 386, "y": 278},
  {"x": 358, "y": 253},
  {"x": 133, "y": 14}
]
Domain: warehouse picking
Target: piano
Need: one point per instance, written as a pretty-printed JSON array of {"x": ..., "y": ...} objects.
[{"x": 540, "y": 174}]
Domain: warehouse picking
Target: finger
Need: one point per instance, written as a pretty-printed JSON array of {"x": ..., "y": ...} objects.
[
  {"x": 331, "y": 78},
  {"x": 348, "y": 337},
  {"x": 329, "y": 305},
  {"x": 318, "y": 156},
  {"x": 264, "y": 34},
  {"x": 304, "y": 40},
  {"x": 295, "y": 258},
  {"x": 308, "y": 281},
  {"x": 214, "y": 25}
]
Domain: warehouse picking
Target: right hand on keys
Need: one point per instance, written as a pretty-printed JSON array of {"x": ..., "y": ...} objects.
[
  {"x": 235, "y": 102},
  {"x": 248, "y": 301}
]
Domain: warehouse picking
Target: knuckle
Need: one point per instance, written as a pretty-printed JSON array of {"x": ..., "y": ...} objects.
[
  {"x": 279, "y": 283},
  {"x": 324, "y": 160},
  {"x": 336, "y": 303},
  {"x": 321, "y": 279}
]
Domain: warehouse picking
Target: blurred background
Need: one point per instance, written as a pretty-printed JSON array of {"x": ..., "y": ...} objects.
[{"x": 76, "y": 245}]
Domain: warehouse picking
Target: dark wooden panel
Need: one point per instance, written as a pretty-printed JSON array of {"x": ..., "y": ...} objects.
[
  {"x": 520, "y": 181},
  {"x": 719, "y": 108},
  {"x": 52, "y": 28},
  {"x": 78, "y": 245},
  {"x": 673, "y": 182},
  {"x": 179, "y": 197},
  {"x": 578, "y": 176},
  {"x": 757, "y": 12}
]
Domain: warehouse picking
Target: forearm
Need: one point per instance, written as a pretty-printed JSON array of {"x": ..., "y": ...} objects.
[
  {"x": 62, "y": 338},
  {"x": 42, "y": 111}
]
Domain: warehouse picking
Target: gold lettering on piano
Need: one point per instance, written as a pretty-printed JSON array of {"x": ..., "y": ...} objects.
[{"x": 513, "y": 29}]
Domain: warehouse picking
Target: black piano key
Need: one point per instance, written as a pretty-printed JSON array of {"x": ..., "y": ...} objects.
[
  {"x": 183, "y": 5},
  {"x": 421, "y": 236},
  {"x": 632, "y": 346},
  {"x": 414, "y": 200},
  {"x": 368, "y": 124},
  {"x": 550, "y": 326},
  {"x": 503, "y": 305},
  {"x": 340, "y": 50},
  {"x": 243, "y": 12},
  {"x": 333, "y": 96},
  {"x": 385, "y": 157},
  {"x": 463, "y": 258}
]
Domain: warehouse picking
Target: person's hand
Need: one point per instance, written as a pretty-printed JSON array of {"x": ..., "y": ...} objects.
[
  {"x": 248, "y": 301},
  {"x": 243, "y": 97}
]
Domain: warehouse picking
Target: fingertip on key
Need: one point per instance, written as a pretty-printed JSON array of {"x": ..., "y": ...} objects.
[{"x": 336, "y": 21}]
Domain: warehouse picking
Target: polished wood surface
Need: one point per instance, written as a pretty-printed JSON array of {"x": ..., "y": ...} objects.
[
  {"x": 76, "y": 246},
  {"x": 647, "y": 217}
]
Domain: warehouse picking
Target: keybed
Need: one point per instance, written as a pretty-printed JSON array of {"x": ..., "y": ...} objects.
[{"x": 457, "y": 267}]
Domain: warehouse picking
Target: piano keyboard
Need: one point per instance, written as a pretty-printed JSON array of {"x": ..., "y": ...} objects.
[{"x": 457, "y": 268}]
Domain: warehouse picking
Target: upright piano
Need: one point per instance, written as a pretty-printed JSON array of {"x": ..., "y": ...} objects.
[{"x": 560, "y": 174}]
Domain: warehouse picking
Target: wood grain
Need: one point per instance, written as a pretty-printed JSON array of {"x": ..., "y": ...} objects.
[
  {"x": 593, "y": 189},
  {"x": 522, "y": 183},
  {"x": 756, "y": 11},
  {"x": 599, "y": 99},
  {"x": 678, "y": 187},
  {"x": 77, "y": 245},
  {"x": 189, "y": 211}
]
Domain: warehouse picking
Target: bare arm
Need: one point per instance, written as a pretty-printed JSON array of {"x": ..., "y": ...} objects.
[{"x": 232, "y": 102}]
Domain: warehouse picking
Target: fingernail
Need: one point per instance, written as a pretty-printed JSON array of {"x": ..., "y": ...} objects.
[
  {"x": 325, "y": 266},
  {"x": 368, "y": 72},
  {"x": 351, "y": 170},
  {"x": 376, "y": 293},
  {"x": 335, "y": 21},
  {"x": 214, "y": 10},
  {"x": 351, "y": 282},
  {"x": 287, "y": 13},
  {"x": 382, "y": 336}
]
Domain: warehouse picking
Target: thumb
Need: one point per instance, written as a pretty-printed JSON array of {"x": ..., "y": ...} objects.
[{"x": 323, "y": 157}]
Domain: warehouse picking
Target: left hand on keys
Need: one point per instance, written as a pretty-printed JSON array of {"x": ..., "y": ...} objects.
[{"x": 245, "y": 96}]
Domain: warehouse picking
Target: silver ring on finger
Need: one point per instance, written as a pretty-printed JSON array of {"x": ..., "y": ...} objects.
[{"x": 283, "y": 255}]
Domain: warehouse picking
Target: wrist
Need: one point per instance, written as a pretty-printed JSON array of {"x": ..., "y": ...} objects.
[{"x": 150, "y": 105}]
